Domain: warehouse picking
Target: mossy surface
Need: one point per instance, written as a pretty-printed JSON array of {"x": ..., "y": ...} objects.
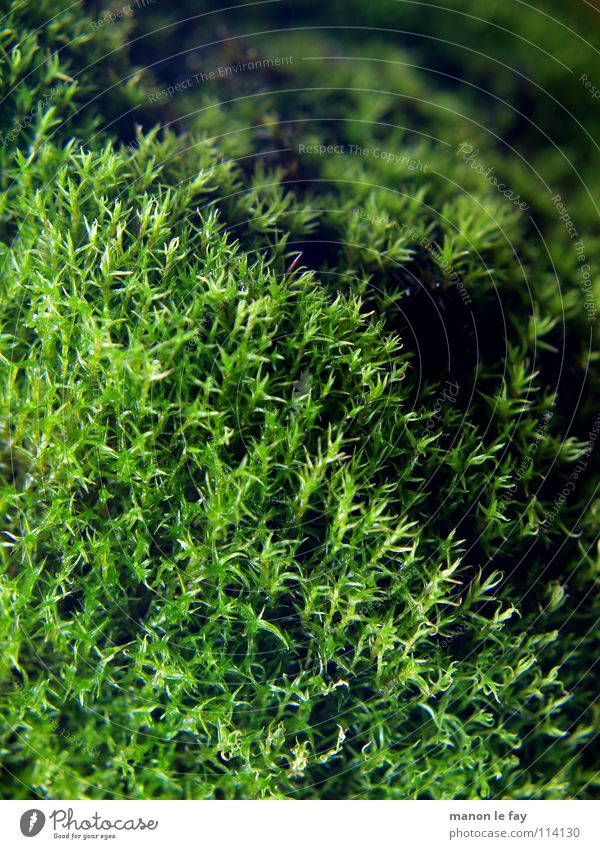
[{"x": 281, "y": 527}]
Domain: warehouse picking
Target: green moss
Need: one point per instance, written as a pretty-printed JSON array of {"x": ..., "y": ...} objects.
[{"x": 276, "y": 527}]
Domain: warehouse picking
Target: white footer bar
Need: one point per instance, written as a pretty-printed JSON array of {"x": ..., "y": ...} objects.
[{"x": 301, "y": 825}]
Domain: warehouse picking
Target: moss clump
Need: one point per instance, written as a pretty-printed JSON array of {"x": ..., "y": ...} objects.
[{"x": 280, "y": 527}]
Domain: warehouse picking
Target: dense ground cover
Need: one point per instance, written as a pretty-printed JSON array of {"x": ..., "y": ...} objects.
[{"x": 282, "y": 527}]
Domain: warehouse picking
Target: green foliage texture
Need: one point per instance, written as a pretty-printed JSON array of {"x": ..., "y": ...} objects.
[{"x": 279, "y": 528}]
